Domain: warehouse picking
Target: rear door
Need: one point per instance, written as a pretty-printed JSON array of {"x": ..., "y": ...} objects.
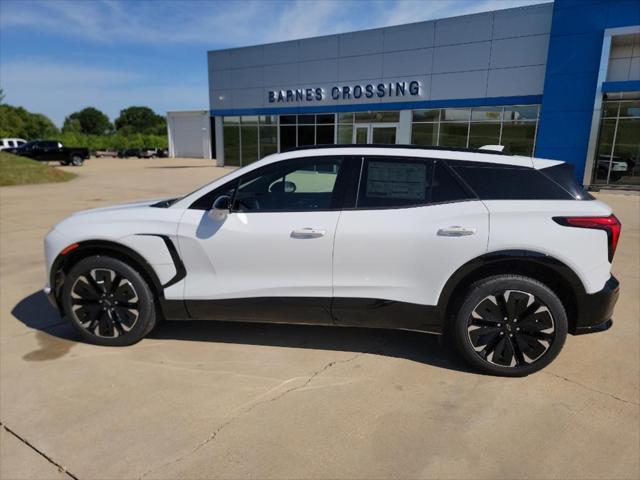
[{"x": 411, "y": 227}]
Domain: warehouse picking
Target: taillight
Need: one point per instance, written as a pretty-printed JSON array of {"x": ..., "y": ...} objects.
[{"x": 609, "y": 224}]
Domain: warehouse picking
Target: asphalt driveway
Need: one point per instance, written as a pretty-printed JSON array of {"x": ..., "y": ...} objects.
[{"x": 218, "y": 400}]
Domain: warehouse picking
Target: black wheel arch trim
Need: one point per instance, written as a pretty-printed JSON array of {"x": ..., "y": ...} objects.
[
  {"x": 532, "y": 259},
  {"x": 106, "y": 246}
]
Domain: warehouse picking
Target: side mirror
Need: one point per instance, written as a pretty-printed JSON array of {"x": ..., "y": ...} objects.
[{"x": 221, "y": 208}]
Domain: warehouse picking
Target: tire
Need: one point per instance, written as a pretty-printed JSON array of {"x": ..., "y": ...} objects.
[
  {"x": 76, "y": 160},
  {"x": 108, "y": 302},
  {"x": 488, "y": 334}
]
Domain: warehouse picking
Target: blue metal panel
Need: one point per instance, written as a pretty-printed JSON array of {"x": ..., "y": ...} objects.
[
  {"x": 575, "y": 46},
  {"x": 625, "y": 86},
  {"x": 365, "y": 107}
]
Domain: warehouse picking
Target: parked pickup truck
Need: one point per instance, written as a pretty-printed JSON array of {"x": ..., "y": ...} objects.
[{"x": 52, "y": 151}]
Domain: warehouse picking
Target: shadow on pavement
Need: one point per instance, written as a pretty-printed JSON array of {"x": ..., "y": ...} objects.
[{"x": 36, "y": 312}]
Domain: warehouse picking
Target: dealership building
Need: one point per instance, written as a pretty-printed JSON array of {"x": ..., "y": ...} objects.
[{"x": 557, "y": 80}]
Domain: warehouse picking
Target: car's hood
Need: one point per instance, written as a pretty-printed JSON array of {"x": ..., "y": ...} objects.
[{"x": 121, "y": 206}]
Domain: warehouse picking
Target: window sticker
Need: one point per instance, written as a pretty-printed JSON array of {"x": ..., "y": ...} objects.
[{"x": 397, "y": 180}]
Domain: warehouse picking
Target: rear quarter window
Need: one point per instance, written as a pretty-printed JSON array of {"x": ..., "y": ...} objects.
[{"x": 500, "y": 182}]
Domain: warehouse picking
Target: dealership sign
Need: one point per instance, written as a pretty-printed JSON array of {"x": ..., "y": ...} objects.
[{"x": 346, "y": 92}]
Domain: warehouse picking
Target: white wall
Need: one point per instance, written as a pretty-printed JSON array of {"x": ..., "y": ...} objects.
[
  {"x": 624, "y": 60},
  {"x": 189, "y": 134}
]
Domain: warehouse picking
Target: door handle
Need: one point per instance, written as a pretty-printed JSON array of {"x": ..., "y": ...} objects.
[
  {"x": 456, "y": 231},
  {"x": 308, "y": 233}
]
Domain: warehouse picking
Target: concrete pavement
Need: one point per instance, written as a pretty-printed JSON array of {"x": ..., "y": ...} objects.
[{"x": 218, "y": 400}]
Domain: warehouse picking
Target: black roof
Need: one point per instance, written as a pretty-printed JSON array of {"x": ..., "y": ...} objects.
[{"x": 411, "y": 147}]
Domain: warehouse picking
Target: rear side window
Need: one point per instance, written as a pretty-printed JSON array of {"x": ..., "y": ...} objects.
[
  {"x": 506, "y": 182},
  {"x": 404, "y": 182}
]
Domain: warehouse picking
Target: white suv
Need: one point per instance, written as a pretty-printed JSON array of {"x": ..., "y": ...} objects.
[
  {"x": 505, "y": 254},
  {"x": 11, "y": 143}
]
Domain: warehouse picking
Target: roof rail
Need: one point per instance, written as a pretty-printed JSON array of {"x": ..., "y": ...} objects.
[{"x": 412, "y": 147}]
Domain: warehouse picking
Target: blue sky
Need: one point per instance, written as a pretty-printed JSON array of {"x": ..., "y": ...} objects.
[{"x": 59, "y": 56}]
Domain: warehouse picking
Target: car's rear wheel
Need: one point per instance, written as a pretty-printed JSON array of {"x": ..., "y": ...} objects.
[
  {"x": 509, "y": 325},
  {"x": 77, "y": 161},
  {"x": 108, "y": 302}
]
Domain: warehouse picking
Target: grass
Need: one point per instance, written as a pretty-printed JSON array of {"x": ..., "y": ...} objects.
[{"x": 16, "y": 170}]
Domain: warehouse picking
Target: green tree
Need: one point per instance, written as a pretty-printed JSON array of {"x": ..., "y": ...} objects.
[
  {"x": 71, "y": 125},
  {"x": 140, "y": 120},
  {"x": 18, "y": 122},
  {"x": 90, "y": 121}
]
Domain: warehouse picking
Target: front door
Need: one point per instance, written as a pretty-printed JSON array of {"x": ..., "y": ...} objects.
[
  {"x": 376, "y": 133},
  {"x": 361, "y": 134},
  {"x": 270, "y": 258}
]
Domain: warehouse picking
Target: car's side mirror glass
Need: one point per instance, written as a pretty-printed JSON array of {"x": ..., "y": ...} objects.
[{"x": 221, "y": 208}]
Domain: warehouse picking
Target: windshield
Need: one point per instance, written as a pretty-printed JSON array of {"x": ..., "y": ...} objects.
[
  {"x": 177, "y": 199},
  {"x": 28, "y": 144}
]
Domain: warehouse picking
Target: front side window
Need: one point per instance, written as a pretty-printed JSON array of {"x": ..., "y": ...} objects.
[{"x": 298, "y": 185}]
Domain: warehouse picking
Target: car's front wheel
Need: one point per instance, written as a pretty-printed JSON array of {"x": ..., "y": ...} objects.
[
  {"x": 77, "y": 161},
  {"x": 509, "y": 325},
  {"x": 108, "y": 302}
]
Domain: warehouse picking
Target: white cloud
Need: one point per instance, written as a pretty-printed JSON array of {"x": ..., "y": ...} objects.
[
  {"x": 409, "y": 11},
  {"x": 59, "y": 89},
  {"x": 227, "y": 23}
]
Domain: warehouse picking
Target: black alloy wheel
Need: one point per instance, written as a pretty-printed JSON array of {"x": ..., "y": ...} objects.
[
  {"x": 510, "y": 325},
  {"x": 104, "y": 303},
  {"x": 511, "y": 328},
  {"x": 108, "y": 302}
]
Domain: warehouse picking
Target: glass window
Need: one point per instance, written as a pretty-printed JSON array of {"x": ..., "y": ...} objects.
[
  {"x": 383, "y": 135},
  {"x": 306, "y": 135},
  {"x": 521, "y": 112},
  {"x": 394, "y": 183},
  {"x": 445, "y": 188},
  {"x": 481, "y": 134},
  {"x": 268, "y": 140},
  {"x": 231, "y": 134},
  {"x": 345, "y": 134},
  {"x": 268, "y": 119},
  {"x": 288, "y": 120},
  {"x": 424, "y": 134},
  {"x": 486, "y": 114},
  {"x": 518, "y": 138},
  {"x": 406, "y": 182},
  {"x": 249, "y": 119},
  {"x": 456, "y": 114},
  {"x": 625, "y": 163},
  {"x": 287, "y": 137},
  {"x": 610, "y": 109},
  {"x": 328, "y": 118},
  {"x": 377, "y": 117},
  {"x": 453, "y": 134},
  {"x": 605, "y": 147},
  {"x": 299, "y": 185},
  {"x": 630, "y": 109},
  {"x": 345, "y": 117},
  {"x": 306, "y": 119},
  {"x": 498, "y": 182},
  {"x": 249, "y": 140},
  {"x": 231, "y": 120},
  {"x": 325, "y": 134},
  {"x": 426, "y": 115}
]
